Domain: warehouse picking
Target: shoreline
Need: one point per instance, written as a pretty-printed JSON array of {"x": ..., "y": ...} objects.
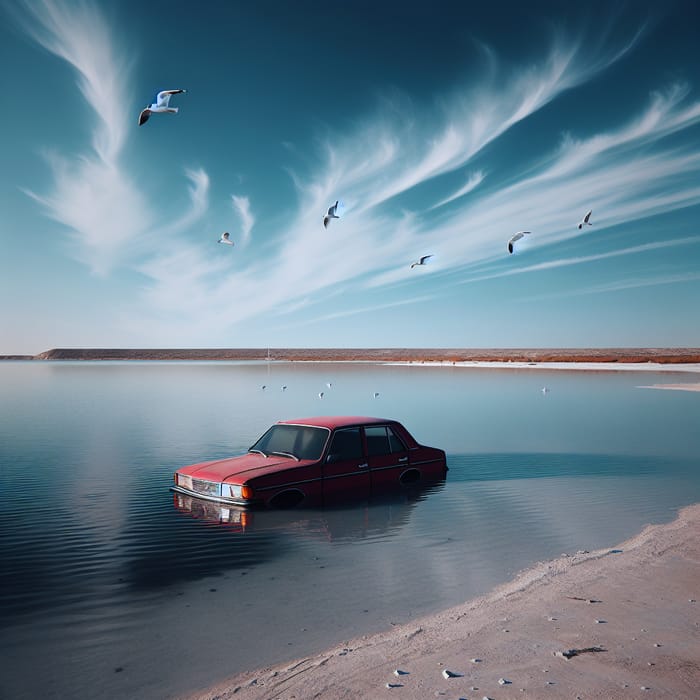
[
  {"x": 457, "y": 356},
  {"x": 628, "y": 616}
]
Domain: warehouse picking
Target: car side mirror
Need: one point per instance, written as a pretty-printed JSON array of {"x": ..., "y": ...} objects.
[{"x": 333, "y": 457}]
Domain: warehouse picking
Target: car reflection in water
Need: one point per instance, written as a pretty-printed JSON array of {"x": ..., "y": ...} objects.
[{"x": 335, "y": 521}]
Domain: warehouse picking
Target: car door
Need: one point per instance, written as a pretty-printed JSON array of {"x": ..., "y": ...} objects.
[
  {"x": 345, "y": 469},
  {"x": 387, "y": 456}
]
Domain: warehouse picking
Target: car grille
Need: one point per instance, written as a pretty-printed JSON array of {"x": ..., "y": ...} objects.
[{"x": 207, "y": 488}]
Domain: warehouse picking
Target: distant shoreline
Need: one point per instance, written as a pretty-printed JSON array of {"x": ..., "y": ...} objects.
[{"x": 402, "y": 355}]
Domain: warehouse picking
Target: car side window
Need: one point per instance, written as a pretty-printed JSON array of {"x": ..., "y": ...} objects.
[
  {"x": 395, "y": 442},
  {"x": 381, "y": 440},
  {"x": 346, "y": 444}
]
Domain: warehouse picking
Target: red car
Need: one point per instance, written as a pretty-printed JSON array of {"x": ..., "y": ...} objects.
[{"x": 314, "y": 461}]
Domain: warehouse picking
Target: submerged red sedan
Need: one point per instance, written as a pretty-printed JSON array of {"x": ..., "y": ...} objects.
[{"x": 313, "y": 461}]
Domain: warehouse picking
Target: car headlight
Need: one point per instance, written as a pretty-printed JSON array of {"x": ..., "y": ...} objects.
[
  {"x": 184, "y": 480},
  {"x": 230, "y": 490}
]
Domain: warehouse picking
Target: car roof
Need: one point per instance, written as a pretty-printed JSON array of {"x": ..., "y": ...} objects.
[{"x": 332, "y": 422}]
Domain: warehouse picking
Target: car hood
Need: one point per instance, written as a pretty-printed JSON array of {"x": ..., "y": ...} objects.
[{"x": 241, "y": 468}]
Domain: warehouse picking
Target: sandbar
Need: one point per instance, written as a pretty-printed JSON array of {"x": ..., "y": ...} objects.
[
  {"x": 674, "y": 387},
  {"x": 615, "y": 623}
]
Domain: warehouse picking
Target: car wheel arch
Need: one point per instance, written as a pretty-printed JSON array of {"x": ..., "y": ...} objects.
[
  {"x": 410, "y": 476},
  {"x": 289, "y": 498}
]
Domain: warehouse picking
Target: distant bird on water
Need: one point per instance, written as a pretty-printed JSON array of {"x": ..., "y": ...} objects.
[
  {"x": 332, "y": 213},
  {"x": 225, "y": 238},
  {"x": 586, "y": 220},
  {"x": 516, "y": 237},
  {"x": 421, "y": 261},
  {"x": 160, "y": 106}
]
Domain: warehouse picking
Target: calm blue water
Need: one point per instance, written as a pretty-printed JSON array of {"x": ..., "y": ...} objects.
[{"x": 107, "y": 589}]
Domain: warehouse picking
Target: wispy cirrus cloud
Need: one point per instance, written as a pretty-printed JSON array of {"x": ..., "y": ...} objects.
[
  {"x": 637, "y": 282},
  {"x": 372, "y": 247},
  {"x": 91, "y": 195},
  {"x": 396, "y": 172},
  {"x": 78, "y": 33},
  {"x": 241, "y": 206},
  {"x": 109, "y": 219},
  {"x": 474, "y": 180},
  {"x": 468, "y": 121},
  {"x": 581, "y": 259}
]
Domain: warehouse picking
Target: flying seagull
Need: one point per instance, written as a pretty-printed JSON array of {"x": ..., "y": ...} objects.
[
  {"x": 515, "y": 237},
  {"x": 421, "y": 261},
  {"x": 586, "y": 220},
  {"x": 161, "y": 105},
  {"x": 225, "y": 239},
  {"x": 332, "y": 213}
]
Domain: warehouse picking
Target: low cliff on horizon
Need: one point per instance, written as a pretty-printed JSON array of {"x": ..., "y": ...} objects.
[{"x": 622, "y": 355}]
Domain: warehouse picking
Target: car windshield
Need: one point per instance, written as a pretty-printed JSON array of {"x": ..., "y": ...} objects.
[{"x": 300, "y": 441}]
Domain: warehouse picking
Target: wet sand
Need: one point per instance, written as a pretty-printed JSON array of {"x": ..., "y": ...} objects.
[{"x": 616, "y": 623}]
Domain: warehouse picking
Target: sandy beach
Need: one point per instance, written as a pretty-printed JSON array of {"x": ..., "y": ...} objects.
[{"x": 622, "y": 622}]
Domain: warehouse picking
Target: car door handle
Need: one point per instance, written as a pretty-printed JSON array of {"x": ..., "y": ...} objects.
[
  {"x": 362, "y": 466},
  {"x": 403, "y": 459}
]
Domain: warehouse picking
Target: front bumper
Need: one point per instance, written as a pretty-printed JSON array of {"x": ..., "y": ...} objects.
[{"x": 244, "y": 502}]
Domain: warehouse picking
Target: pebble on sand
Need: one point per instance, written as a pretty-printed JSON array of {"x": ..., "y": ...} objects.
[{"x": 450, "y": 674}]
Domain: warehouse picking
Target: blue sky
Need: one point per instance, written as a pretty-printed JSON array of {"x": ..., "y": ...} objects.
[{"x": 444, "y": 128}]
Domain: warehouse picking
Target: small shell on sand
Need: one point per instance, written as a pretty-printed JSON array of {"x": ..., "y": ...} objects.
[
  {"x": 450, "y": 674},
  {"x": 504, "y": 681},
  {"x": 394, "y": 685}
]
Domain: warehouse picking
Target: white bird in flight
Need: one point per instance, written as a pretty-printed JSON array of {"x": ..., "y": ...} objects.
[
  {"x": 586, "y": 220},
  {"x": 332, "y": 213},
  {"x": 225, "y": 239},
  {"x": 516, "y": 237},
  {"x": 160, "y": 106},
  {"x": 421, "y": 261}
]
